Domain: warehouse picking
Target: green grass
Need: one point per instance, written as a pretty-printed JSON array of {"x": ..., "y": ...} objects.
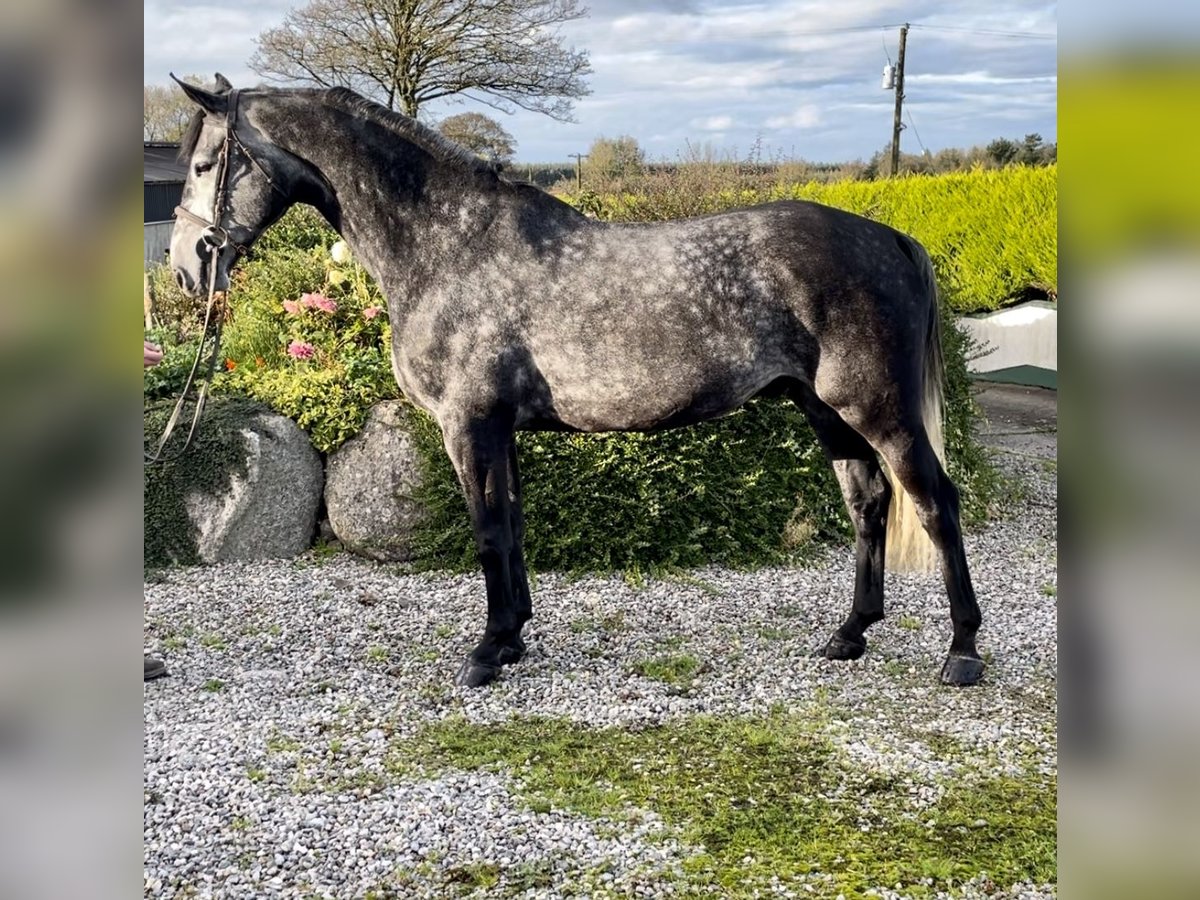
[
  {"x": 213, "y": 641},
  {"x": 1049, "y": 590},
  {"x": 279, "y": 742},
  {"x": 766, "y": 797},
  {"x": 671, "y": 668},
  {"x": 378, "y": 654},
  {"x": 609, "y": 623},
  {"x": 909, "y": 623},
  {"x": 213, "y": 686},
  {"x": 771, "y": 633}
]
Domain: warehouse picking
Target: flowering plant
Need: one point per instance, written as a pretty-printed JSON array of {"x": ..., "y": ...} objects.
[{"x": 332, "y": 325}]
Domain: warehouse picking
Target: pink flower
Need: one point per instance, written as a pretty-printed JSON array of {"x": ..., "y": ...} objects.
[
  {"x": 301, "y": 350},
  {"x": 291, "y": 307},
  {"x": 318, "y": 301},
  {"x": 372, "y": 311}
]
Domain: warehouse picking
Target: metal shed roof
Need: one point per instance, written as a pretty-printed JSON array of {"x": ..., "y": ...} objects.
[{"x": 161, "y": 164}]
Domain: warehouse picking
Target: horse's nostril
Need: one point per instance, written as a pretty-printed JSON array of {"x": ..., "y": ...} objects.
[{"x": 179, "y": 278}]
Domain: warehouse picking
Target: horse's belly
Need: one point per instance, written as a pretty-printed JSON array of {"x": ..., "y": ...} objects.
[{"x": 613, "y": 403}]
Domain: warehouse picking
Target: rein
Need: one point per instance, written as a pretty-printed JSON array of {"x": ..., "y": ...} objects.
[{"x": 216, "y": 238}]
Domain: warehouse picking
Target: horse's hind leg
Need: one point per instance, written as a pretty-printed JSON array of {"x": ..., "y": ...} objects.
[
  {"x": 915, "y": 464},
  {"x": 520, "y": 577},
  {"x": 480, "y": 450},
  {"x": 867, "y": 493}
]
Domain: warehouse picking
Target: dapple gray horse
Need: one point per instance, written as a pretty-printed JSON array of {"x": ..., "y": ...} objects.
[{"x": 511, "y": 310}]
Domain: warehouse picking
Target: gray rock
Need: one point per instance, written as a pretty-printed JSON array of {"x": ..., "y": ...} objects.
[
  {"x": 269, "y": 512},
  {"x": 370, "y": 487}
]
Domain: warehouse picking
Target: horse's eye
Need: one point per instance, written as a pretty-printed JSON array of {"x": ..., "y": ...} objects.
[{"x": 203, "y": 167}]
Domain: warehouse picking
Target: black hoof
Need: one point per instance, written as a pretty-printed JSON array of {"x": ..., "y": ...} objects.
[
  {"x": 962, "y": 670},
  {"x": 842, "y": 648},
  {"x": 512, "y": 653},
  {"x": 474, "y": 674}
]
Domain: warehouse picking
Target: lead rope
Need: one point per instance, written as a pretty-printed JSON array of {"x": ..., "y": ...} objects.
[
  {"x": 202, "y": 395},
  {"x": 211, "y": 238}
]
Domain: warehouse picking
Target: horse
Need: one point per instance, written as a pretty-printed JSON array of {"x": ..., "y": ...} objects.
[{"x": 512, "y": 310}]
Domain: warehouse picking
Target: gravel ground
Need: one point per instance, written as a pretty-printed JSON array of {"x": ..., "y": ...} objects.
[{"x": 279, "y": 662}]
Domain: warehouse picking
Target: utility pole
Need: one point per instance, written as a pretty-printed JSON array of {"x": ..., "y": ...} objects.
[
  {"x": 896, "y": 123},
  {"x": 579, "y": 158}
]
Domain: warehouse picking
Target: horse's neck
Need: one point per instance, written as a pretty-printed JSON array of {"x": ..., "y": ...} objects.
[{"x": 392, "y": 200}]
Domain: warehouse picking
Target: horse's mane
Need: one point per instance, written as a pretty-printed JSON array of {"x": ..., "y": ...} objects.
[
  {"x": 405, "y": 126},
  {"x": 408, "y": 128}
]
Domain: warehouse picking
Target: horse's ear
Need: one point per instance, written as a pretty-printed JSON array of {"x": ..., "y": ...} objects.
[
  {"x": 223, "y": 85},
  {"x": 217, "y": 104}
]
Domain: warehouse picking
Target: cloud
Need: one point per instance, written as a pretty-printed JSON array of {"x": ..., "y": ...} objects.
[
  {"x": 807, "y": 116},
  {"x": 713, "y": 123}
]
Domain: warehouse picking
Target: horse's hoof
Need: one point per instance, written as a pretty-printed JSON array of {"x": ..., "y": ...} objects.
[
  {"x": 962, "y": 670},
  {"x": 512, "y": 653},
  {"x": 474, "y": 674},
  {"x": 841, "y": 648}
]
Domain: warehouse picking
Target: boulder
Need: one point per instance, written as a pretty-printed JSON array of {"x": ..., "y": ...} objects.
[
  {"x": 371, "y": 485},
  {"x": 249, "y": 488}
]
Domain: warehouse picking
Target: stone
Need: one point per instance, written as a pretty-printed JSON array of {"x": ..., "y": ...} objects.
[
  {"x": 269, "y": 512},
  {"x": 371, "y": 485},
  {"x": 248, "y": 488}
]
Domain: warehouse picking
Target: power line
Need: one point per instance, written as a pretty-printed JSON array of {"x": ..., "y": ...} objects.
[
  {"x": 749, "y": 33},
  {"x": 913, "y": 124},
  {"x": 989, "y": 31}
]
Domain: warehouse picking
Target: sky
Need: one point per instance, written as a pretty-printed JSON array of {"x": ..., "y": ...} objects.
[{"x": 797, "y": 80}]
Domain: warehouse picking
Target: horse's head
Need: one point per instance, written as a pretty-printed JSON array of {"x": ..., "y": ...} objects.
[{"x": 237, "y": 185}]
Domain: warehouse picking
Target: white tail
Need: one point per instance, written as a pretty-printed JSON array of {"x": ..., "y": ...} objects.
[{"x": 909, "y": 548}]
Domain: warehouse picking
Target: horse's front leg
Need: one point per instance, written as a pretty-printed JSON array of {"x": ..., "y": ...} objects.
[{"x": 483, "y": 456}]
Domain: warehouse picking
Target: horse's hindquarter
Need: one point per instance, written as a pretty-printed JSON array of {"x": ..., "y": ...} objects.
[{"x": 652, "y": 326}]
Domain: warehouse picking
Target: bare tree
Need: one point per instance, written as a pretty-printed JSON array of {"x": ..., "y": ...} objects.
[
  {"x": 480, "y": 134},
  {"x": 166, "y": 111},
  {"x": 405, "y": 53}
]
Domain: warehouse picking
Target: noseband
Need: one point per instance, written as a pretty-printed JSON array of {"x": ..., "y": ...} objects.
[{"x": 216, "y": 238}]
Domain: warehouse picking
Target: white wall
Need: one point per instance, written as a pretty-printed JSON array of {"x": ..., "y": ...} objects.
[{"x": 1025, "y": 335}]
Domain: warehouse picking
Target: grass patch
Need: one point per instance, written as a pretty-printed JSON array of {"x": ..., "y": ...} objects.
[
  {"x": 771, "y": 633},
  {"x": 279, "y": 742},
  {"x": 213, "y": 641},
  {"x": 609, "y": 623},
  {"x": 1049, "y": 590},
  {"x": 475, "y": 875},
  {"x": 909, "y": 623},
  {"x": 766, "y": 797},
  {"x": 213, "y": 686},
  {"x": 671, "y": 668},
  {"x": 378, "y": 654}
]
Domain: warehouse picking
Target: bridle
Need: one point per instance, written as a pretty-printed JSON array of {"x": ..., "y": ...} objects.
[{"x": 216, "y": 238}]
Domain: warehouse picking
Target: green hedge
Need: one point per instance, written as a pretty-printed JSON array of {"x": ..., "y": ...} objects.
[
  {"x": 992, "y": 233},
  {"x": 749, "y": 489}
]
